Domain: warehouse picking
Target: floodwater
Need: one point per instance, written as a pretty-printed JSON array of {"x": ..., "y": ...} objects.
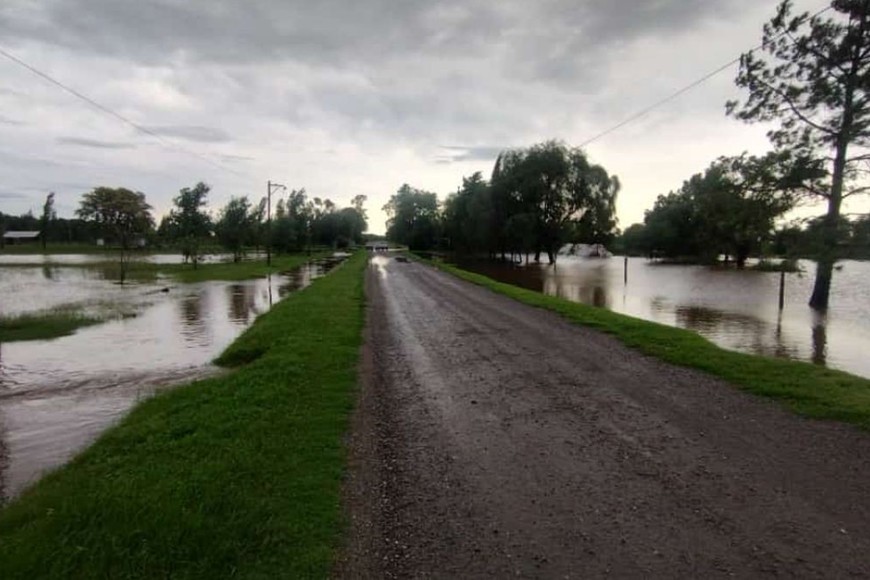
[
  {"x": 735, "y": 309},
  {"x": 57, "y": 395}
]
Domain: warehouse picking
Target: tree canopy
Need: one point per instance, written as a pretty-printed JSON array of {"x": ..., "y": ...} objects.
[
  {"x": 120, "y": 214},
  {"x": 812, "y": 76}
]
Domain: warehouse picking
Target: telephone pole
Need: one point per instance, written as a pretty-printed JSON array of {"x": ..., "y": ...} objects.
[{"x": 269, "y": 187}]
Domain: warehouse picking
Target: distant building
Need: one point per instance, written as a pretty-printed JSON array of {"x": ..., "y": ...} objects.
[
  {"x": 378, "y": 246},
  {"x": 16, "y": 238}
]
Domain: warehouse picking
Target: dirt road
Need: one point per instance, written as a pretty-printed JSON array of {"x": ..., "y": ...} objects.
[{"x": 493, "y": 439}]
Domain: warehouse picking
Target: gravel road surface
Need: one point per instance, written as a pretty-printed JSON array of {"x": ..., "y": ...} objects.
[{"x": 493, "y": 439}]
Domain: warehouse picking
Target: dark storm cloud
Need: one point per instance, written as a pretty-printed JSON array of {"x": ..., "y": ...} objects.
[
  {"x": 551, "y": 39},
  {"x": 93, "y": 143},
  {"x": 192, "y": 133}
]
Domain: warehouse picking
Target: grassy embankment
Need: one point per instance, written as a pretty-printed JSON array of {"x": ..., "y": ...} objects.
[
  {"x": 234, "y": 476},
  {"x": 807, "y": 389},
  {"x": 43, "y": 325}
]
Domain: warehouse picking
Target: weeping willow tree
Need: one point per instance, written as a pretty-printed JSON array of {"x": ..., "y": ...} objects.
[{"x": 548, "y": 192}]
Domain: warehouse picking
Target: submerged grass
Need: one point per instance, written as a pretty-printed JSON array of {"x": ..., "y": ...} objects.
[
  {"x": 237, "y": 475},
  {"x": 807, "y": 389},
  {"x": 142, "y": 271},
  {"x": 43, "y": 325},
  {"x": 236, "y": 270}
]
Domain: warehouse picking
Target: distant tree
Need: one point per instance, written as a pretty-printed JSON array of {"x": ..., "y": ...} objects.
[
  {"x": 634, "y": 241},
  {"x": 814, "y": 78},
  {"x": 48, "y": 216},
  {"x": 729, "y": 209},
  {"x": 358, "y": 202},
  {"x": 467, "y": 216},
  {"x": 236, "y": 226},
  {"x": 189, "y": 224},
  {"x": 413, "y": 218},
  {"x": 119, "y": 214},
  {"x": 557, "y": 186}
]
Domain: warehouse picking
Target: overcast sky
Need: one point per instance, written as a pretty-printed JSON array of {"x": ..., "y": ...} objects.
[{"x": 359, "y": 96}]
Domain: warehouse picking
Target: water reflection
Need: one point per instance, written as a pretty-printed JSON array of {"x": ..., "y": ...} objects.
[
  {"x": 57, "y": 395},
  {"x": 820, "y": 338},
  {"x": 736, "y": 309}
]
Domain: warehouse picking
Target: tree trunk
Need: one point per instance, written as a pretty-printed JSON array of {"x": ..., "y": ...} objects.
[
  {"x": 551, "y": 256},
  {"x": 825, "y": 266}
]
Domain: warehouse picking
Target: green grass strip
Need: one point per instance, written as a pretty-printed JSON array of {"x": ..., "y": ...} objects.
[
  {"x": 43, "y": 325},
  {"x": 808, "y": 389},
  {"x": 231, "y": 271},
  {"x": 234, "y": 476}
]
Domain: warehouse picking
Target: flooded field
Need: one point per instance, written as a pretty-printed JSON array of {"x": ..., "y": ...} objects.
[
  {"x": 57, "y": 395},
  {"x": 735, "y": 309}
]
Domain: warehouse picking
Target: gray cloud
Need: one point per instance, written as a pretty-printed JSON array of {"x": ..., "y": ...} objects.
[
  {"x": 453, "y": 153},
  {"x": 93, "y": 143},
  {"x": 547, "y": 40},
  {"x": 232, "y": 158},
  {"x": 192, "y": 133},
  {"x": 12, "y": 122},
  {"x": 12, "y": 195}
]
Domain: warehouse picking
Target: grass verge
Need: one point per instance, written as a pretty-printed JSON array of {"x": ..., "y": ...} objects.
[
  {"x": 43, "y": 325},
  {"x": 807, "y": 389},
  {"x": 234, "y": 476}
]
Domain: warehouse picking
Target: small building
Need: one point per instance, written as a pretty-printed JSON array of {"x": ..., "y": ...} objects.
[
  {"x": 377, "y": 246},
  {"x": 16, "y": 238}
]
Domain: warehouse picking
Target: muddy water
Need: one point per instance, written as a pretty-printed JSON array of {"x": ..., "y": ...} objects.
[
  {"x": 57, "y": 395},
  {"x": 737, "y": 310}
]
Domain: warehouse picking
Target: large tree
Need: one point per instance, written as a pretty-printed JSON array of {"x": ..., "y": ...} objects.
[
  {"x": 556, "y": 186},
  {"x": 189, "y": 223},
  {"x": 413, "y": 218},
  {"x": 728, "y": 210},
  {"x": 123, "y": 216},
  {"x": 813, "y": 76},
  {"x": 236, "y": 226}
]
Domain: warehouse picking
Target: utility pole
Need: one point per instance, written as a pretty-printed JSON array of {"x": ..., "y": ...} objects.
[{"x": 269, "y": 186}]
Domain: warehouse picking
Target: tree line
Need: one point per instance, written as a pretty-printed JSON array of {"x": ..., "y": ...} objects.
[
  {"x": 537, "y": 199},
  {"x": 123, "y": 218}
]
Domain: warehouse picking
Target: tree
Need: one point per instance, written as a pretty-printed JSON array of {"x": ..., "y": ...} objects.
[
  {"x": 48, "y": 216},
  {"x": 815, "y": 80},
  {"x": 413, "y": 218},
  {"x": 189, "y": 224},
  {"x": 729, "y": 209},
  {"x": 121, "y": 215},
  {"x": 557, "y": 186},
  {"x": 236, "y": 226}
]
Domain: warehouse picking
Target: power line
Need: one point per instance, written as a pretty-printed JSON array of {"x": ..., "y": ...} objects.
[
  {"x": 107, "y": 111},
  {"x": 646, "y": 110}
]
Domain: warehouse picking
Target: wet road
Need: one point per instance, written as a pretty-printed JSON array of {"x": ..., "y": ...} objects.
[{"x": 492, "y": 439}]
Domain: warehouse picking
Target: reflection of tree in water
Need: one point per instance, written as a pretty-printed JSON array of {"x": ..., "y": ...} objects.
[
  {"x": 569, "y": 289},
  {"x": 820, "y": 338},
  {"x": 242, "y": 302},
  {"x": 193, "y": 316},
  {"x": 752, "y": 334},
  {"x": 49, "y": 272},
  {"x": 295, "y": 279}
]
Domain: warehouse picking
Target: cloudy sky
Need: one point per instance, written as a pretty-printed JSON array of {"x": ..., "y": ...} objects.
[{"x": 357, "y": 97}]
